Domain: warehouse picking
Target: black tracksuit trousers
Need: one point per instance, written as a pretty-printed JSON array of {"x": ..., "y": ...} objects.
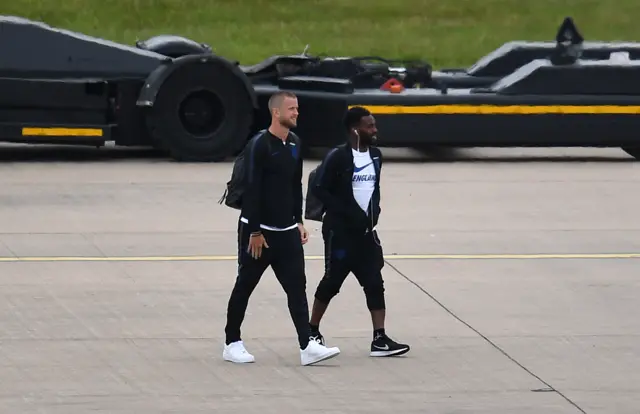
[
  {"x": 360, "y": 254},
  {"x": 285, "y": 255}
]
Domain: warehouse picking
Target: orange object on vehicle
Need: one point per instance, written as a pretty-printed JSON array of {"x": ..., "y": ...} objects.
[{"x": 393, "y": 85}]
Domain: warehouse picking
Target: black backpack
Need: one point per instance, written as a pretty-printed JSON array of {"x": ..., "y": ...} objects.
[
  {"x": 232, "y": 196},
  {"x": 314, "y": 209}
]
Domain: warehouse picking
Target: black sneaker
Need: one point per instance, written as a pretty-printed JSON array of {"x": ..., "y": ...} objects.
[
  {"x": 383, "y": 346},
  {"x": 317, "y": 336}
]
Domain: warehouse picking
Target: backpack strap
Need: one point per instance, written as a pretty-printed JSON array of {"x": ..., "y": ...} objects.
[{"x": 238, "y": 169}]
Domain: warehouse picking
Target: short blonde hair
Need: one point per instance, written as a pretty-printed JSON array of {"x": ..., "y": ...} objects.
[{"x": 276, "y": 99}]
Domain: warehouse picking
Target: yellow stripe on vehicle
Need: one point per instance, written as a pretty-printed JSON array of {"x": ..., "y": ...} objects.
[
  {"x": 501, "y": 109},
  {"x": 62, "y": 132}
]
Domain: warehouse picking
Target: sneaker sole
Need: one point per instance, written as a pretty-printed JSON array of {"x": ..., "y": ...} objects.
[
  {"x": 324, "y": 358},
  {"x": 238, "y": 362},
  {"x": 396, "y": 352}
]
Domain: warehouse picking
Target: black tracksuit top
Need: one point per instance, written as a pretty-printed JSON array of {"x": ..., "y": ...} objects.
[
  {"x": 273, "y": 182},
  {"x": 333, "y": 187}
]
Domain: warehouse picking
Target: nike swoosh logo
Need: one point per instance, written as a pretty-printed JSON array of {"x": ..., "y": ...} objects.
[
  {"x": 358, "y": 169},
  {"x": 384, "y": 348}
]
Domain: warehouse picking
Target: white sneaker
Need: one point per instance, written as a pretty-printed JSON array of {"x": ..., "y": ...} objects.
[
  {"x": 236, "y": 352},
  {"x": 314, "y": 352}
]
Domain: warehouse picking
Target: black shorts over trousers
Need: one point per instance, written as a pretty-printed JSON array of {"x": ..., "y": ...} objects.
[{"x": 360, "y": 254}]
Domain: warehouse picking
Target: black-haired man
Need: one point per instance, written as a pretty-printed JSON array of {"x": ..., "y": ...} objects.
[
  {"x": 348, "y": 184},
  {"x": 270, "y": 231}
]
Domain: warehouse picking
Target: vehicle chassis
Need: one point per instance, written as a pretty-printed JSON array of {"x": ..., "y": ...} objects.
[{"x": 177, "y": 95}]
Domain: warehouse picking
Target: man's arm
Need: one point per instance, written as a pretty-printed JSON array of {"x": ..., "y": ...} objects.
[
  {"x": 297, "y": 188},
  {"x": 254, "y": 162},
  {"x": 322, "y": 189}
]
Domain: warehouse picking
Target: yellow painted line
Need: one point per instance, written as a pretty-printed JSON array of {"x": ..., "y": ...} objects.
[
  {"x": 62, "y": 132},
  {"x": 501, "y": 109},
  {"x": 387, "y": 257}
]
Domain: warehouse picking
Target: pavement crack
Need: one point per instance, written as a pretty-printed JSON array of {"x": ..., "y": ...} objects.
[
  {"x": 549, "y": 387},
  {"x": 6, "y": 246},
  {"x": 93, "y": 244}
]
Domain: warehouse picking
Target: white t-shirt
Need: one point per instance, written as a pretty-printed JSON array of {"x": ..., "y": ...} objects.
[{"x": 364, "y": 178}]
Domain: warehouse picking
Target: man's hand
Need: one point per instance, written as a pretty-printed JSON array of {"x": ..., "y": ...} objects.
[
  {"x": 304, "y": 234},
  {"x": 256, "y": 243}
]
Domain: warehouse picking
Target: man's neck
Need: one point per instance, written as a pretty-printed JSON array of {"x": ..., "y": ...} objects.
[
  {"x": 279, "y": 131},
  {"x": 358, "y": 146}
]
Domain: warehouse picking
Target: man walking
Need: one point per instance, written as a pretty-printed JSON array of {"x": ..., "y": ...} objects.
[
  {"x": 348, "y": 184},
  {"x": 271, "y": 231}
]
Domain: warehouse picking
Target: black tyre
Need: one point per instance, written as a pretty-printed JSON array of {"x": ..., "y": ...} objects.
[
  {"x": 634, "y": 151},
  {"x": 202, "y": 112}
]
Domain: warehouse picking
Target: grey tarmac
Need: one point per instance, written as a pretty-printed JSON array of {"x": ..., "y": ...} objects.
[{"x": 117, "y": 265}]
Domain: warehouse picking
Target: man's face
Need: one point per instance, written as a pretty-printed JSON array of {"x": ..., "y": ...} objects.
[
  {"x": 287, "y": 113},
  {"x": 367, "y": 130}
]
